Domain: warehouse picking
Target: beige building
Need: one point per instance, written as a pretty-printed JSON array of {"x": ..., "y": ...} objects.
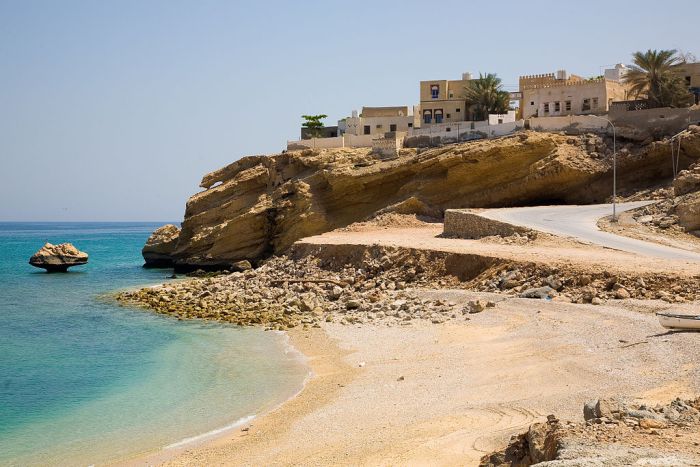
[
  {"x": 690, "y": 72},
  {"x": 378, "y": 120},
  {"x": 442, "y": 101},
  {"x": 563, "y": 94}
]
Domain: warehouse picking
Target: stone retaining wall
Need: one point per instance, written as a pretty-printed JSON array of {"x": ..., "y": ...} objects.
[{"x": 464, "y": 223}]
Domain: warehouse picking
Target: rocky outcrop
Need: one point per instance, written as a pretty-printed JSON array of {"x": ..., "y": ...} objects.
[
  {"x": 58, "y": 258},
  {"x": 159, "y": 248},
  {"x": 614, "y": 433},
  {"x": 260, "y": 205},
  {"x": 687, "y": 180}
]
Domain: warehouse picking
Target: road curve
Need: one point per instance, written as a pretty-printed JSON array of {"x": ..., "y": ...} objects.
[{"x": 581, "y": 222}]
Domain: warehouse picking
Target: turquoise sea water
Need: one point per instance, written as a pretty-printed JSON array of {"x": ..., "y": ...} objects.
[{"x": 83, "y": 380}]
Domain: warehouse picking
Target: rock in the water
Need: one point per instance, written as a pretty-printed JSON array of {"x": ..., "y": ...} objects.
[
  {"x": 157, "y": 252},
  {"x": 58, "y": 258}
]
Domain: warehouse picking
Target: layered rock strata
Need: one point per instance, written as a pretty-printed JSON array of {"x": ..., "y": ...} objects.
[
  {"x": 159, "y": 248},
  {"x": 58, "y": 258},
  {"x": 260, "y": 205}
]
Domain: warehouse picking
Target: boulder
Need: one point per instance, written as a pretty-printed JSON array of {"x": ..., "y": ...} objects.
[
  {"x": 539, "y": 292},
  {"x": 157, "y": 252},
  {"x": 688, "y": 211},
  {"x": 58, "y": 258},
  {"x": 687, "y": 181}
]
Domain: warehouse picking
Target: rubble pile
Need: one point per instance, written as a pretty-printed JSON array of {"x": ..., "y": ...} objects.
[
  {"x": 541, "y": 281},
  {"x": 612, "y": 433}
]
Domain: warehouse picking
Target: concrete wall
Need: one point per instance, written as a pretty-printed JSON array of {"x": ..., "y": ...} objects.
[
  {"x": 316, "y": 143},
  {"x": 343, "y": 141},
  {"x": 573, "y": 123},
  {"x": 436, "y": 136},
  {"x": 655, "y": 123}
]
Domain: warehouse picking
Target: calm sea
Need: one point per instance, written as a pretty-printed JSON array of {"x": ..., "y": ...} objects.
[{"x": 83, "y": 380}]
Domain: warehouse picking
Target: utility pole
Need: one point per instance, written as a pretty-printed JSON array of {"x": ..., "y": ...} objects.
[{"x": 614, "y": 198}]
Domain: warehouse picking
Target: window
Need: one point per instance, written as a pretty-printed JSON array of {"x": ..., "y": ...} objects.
[
  {"x": 448, "y": 129},
  {"x": 687, "y": 81},
  {"x": 557, "y": 106},
  {"x": 546, "y": 107},
  {"x": 532, "y": 102},
  {"x": 567, "y": 105},
  {"x": 448, "y": 115},
  {"x": 427, "y": 116},
  {"x": 500, "y": 120},
  {"x": 379, "y": 127},
  {"x": 410, "y": 125},
  {"x": 438, "y": 115},
  {"x": 366, "y": 129},
  {"x": 595, "y": 102},
  {"x": 451, "y": 95},
  {"x": 457, "y": 110},
  {"x": 392, "y": 127},
  {"x": 434, "y": 91},
  {"x": 586, "y": 105}
]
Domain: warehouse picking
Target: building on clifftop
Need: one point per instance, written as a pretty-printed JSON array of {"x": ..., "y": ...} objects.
[{"x": 551, "y": 94}]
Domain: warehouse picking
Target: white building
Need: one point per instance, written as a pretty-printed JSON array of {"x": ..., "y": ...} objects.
[{"x": 378, "y": 120}]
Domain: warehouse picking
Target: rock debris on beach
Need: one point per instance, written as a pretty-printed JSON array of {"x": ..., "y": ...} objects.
[{"x": 382, "y": 287}]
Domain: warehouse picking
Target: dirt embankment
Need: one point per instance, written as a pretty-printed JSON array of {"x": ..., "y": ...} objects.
[{"x": 260, "y": 205}]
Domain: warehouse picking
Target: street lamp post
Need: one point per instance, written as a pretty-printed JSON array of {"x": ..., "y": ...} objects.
[{"x": 614, "y": 199}]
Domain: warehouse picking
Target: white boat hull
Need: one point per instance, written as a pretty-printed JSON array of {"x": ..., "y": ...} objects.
[{"x": 673, "y": 321}]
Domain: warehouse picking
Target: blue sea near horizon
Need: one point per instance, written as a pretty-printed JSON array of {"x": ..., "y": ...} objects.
[{"x": 84, "y": 380}]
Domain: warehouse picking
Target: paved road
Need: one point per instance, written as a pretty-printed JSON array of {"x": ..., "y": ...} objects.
[{"x": 581, "y": 222}]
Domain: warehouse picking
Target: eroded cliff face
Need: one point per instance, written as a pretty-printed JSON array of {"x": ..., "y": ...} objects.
[{"x": 260, "y": 205}]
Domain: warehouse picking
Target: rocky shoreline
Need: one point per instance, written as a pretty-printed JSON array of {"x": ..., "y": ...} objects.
[{"x": 378, "y": 284}]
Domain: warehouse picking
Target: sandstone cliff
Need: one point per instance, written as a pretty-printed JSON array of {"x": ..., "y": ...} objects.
[{"x": 260, "y": 205}]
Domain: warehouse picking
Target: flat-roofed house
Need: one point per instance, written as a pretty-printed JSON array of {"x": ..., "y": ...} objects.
[
  {"x": 379, "y": 120},
  {"x": 551, "y": 94},
  {"x": 443, "y": 101}
]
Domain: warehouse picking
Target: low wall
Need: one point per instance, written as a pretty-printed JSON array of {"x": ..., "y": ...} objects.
[
  {"x": 653, "y": 123},
  {"x": 316, "y": 143},
  {"x": 465, "y": 223},
  {"x": 342, "y": 141},
  {"x": 568, "y": 123},
  {"x": 359, "y": 141},
  {"x": 458, "y": 133}
]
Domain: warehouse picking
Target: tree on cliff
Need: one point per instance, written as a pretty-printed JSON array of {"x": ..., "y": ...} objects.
[
  {"x": 485, "y": 95},
  {"x": 652, "y": 77},
  {"x": 313, "y": 124}
]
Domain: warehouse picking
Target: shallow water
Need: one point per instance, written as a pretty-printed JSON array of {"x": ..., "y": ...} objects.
[{"x": 83, "y": 380}]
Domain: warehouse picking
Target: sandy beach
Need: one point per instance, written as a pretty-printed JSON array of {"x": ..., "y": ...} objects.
[{"x": 447, "y": 394}]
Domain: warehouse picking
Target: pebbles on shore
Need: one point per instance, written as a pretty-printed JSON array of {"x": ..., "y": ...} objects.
[{"x": 380, "y": 286}]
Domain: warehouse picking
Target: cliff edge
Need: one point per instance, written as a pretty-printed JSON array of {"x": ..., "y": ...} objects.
[{"x": 260, "y": 205}]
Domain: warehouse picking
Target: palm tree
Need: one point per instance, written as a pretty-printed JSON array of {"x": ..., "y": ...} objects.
[
  {"x": 651, "y": 76},
  {"x": 486, "y": 95}
]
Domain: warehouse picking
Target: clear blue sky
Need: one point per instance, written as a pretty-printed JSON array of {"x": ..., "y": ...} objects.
[{"x": 114, "y": 110}]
